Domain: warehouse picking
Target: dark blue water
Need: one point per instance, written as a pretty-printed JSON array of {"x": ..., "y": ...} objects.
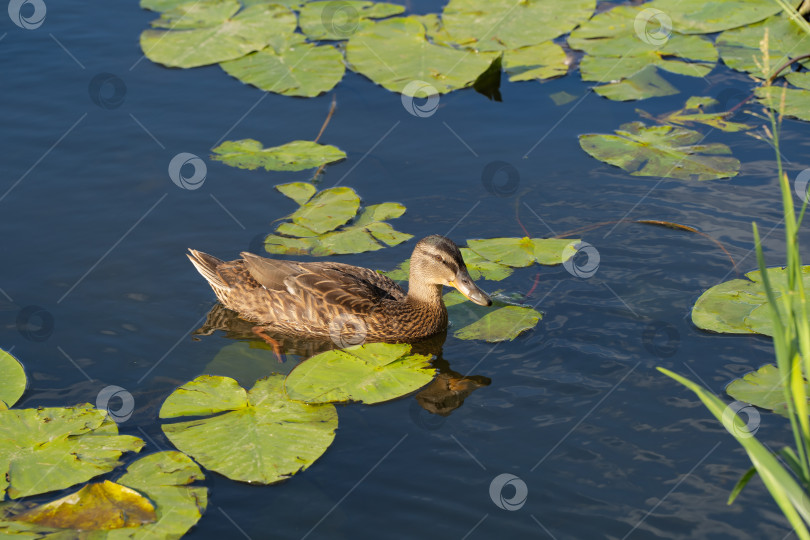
[{"x": 94, "y": 233}]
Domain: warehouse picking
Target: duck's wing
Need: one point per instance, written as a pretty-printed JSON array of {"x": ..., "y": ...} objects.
[{"x": 348, "y": 288}]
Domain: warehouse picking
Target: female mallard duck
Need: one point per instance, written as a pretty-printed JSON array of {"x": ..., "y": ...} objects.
[{"x": 328, "y": 299}]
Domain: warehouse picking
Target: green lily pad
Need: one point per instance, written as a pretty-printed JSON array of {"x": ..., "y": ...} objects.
[
  {"x": 644, "y": 84},
  {"x": 13, "y": 381},
  {"x": 740, "y": 306},
  {"x": 370, "y": 373},
  {"x": 542, "y": 61},
  {"x": 292, "y": 156},
  {"x": 300, "y": 192},
  {"x": 333, "y": 20},
  {"x": 739, "y": 48},
  {"x": 296, "y": 69},
  {"x": 796, "y": 101},
  {"x": 72, "y": 444},
  {"x": 197, "y": 14},
  {"x": 496, "y": 25},
  {"x": 284, "y": 245},
  {"x": 258, "y": 436},
  {"x": 701, "y": 17},
  {"x": 520, "y": 252},
  {"x": 694, "y": 113},
  {"x": 763, "y": 388},
  {"x": 346, "y": 241},
  {"x": 562, "y": 98},
  {"x": 395, "y": 54},
  {"x": 799, "y": 78},
  {"x": 249, "y": 30},
  {"x": 327, "y": 210},
  {"x": 661, "y": 151},
  {"x": 482, "y": 268},
  {"x": 502, "y": 324}
]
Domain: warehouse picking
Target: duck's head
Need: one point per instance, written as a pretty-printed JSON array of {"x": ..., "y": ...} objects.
[{"x": 436, "y": 260}]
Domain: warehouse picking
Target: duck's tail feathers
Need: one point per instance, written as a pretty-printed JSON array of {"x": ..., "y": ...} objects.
[{"x": 207, "y": 266}]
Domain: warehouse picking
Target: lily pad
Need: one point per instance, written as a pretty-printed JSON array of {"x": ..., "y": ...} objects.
[
  {"x": 197, "y": 14},
  {"x": 644, "y": 84},
  {"x": 763, "y": 388},
  {"x": 739, "y": 47},
  {"x": 249, "y": 30},
  {"x": 292, "y": 156},
  {"x": 482, "y": 268},
  {"x": 694, "y": 113},
  {"x": 542, "y": 61},
  {"x": 502, "y": 324},
  {"x": 740, "y": 306},
  {"x": 13, "y": 381},
  {"x": 701, "y": 17},
  {"x": 332, "y": 20},
  {"x": 296, "y": 69},
  {"x": 300, "y": 192},
  {"x": 520, "y": 252},
  {"x": 327, "y": 210},
  {"x": 370, "y": 373},
  {"x": 258, "y": 436},
  {"x": 661, "y": 151},
  {"x": 496, "y": 25},
  {"x": 796, "y": 101},
  {"x": 395, "y": 54},
  {"x": 54, "y": 448}
]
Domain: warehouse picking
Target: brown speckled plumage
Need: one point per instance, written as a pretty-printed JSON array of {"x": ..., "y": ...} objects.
[{"x": 340, "y": 301}]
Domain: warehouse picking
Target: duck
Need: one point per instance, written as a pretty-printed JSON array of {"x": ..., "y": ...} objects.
[{"x": 348, "y": 304}]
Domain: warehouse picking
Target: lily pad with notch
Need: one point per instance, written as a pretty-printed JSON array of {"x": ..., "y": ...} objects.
[{"x": 291, "y": 156}]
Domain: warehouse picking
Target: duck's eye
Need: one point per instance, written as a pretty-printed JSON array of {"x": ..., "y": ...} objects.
[{"x": 438, "y": 258}]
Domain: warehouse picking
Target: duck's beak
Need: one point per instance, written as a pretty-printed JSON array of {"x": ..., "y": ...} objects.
[{"x": 464, "y": 283}]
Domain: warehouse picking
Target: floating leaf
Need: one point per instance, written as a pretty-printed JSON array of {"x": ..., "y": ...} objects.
[
  {"x": 346, "y": 241},
  {"x": 197, "y": 14},
  {"x": 502, "y": 324},
  {"x": 542, "y": 61},
  {"x": 292, "y": 156},
  {"x": 641, "y": 85},
  {"x": 94, "y": 507},
  {"x": 395, "y": 54},
  {"x": 562, "y": 98},
  {"x": 370, "y": 373},
  {"x": 479, "y": 267},
  {"x": 247, "y": 362},
  {"x": 764, "y": 388},
  {"x": 327, "y": 210},
  {"x": 54, "y": 448},
  {"x": 13, "y": 381},
  {"x": 249, "y": 30},
  {"x": 300, "y": 192},
  {"x": 740, "y": 306},
  {"x": 693, "y": 113},
  {"x": 796, "y": 101},
  {"x": 283, "y": 245},
  {"x": 701, "y": 17},
  {"x": 264, "y": 439},
  {"x": 495, "y": 25},
  {"x": 661, "y": 151},
  {"x": 739, "y": 47},
  {"x": 519, "y": 252},
  {"x": 296, "y": 69},
  {"x": 340, "y": 19}
]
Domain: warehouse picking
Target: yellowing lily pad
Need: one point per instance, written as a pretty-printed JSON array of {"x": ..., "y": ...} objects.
[
  {"x": 542, "y": 61},
  {"x": 764, "y": 388},
  {"x": 520, "y": 252},
  {"x": 370, "y": 373},
  {"x": 661, "y": 151},
  {"x": 13, "y": 380},
  {"x": 292, "y": 156},
  {"x": 259, "y": 436},
  {"x": 300, "y": 192},
  {"x": 694, "y": 112},
  {"x": 197, "y": 14}
]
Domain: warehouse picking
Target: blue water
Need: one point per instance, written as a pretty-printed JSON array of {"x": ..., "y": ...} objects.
[{"x": 94, "y": 233}]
